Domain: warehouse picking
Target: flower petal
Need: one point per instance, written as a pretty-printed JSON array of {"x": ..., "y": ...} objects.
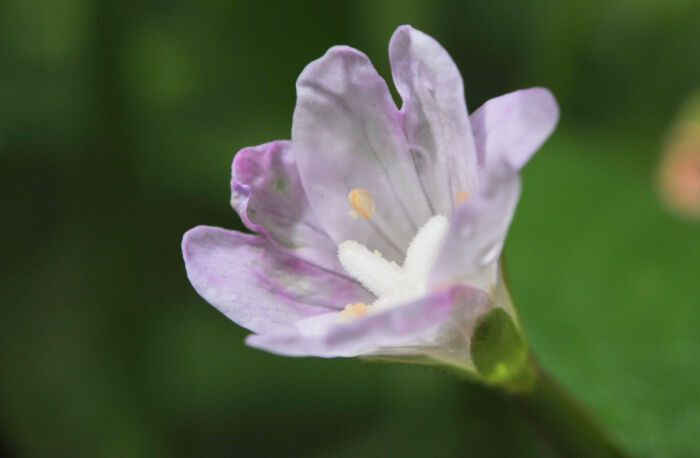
[
  {"x": 267, "y": 193},
  {"x": 257, "y": 285},
  {"x": 513, "y": 126},
  {"x": 477, "y": 231},
  {"x": 402, "y": 329},
  {"x": 435, "y": 116},
  {"x": 347, "y": 134}
]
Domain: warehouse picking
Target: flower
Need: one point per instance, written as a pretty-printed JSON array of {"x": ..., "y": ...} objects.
[
  {"x": 679, "y": 170},
  {"x": 378, "y": 231}
]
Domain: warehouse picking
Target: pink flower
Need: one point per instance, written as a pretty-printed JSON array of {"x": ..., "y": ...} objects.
[
  {"x": 377, "y": 230},
  {"x": 679, "y": 171}
]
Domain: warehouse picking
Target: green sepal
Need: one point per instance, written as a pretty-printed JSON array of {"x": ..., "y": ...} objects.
[{"x": 500, "y": 352}]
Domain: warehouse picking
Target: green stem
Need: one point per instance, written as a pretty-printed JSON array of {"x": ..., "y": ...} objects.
[{"x": 567, "y": 427}]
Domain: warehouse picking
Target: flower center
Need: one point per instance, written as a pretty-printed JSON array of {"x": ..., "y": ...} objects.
[{"x": 390, "y": 283}]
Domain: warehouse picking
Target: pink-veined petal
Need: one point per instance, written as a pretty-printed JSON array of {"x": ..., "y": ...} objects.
[
  {"x": 267, "y": 193},
  {"x": 477, "y": 232},
  {"x": 347, "y": 134},
  {"x": 435, "y": 116},
  {"x": 257, "y": 285},
  {"x": 411, "y": 326},
  {"x": 513, "y": 126}
]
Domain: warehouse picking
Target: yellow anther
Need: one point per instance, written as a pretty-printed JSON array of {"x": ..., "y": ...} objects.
[
  {"x": 462, "y": 196},
  {"x": 354, "y": 310},
  {"x": 361, "y": 203}
]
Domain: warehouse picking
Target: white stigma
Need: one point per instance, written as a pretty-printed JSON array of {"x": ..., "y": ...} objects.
[
  {"x": 390, "y": 283},
  {"x": 375, "y": 273}
]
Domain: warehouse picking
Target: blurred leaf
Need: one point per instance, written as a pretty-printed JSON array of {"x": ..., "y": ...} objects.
[{"x": 606, "y": 284}]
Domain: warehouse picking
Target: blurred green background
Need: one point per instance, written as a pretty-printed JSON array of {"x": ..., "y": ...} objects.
[{"x": 118, "y": 124}]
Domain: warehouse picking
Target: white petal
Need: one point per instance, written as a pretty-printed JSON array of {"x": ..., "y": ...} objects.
[
  {"x": 435, "y": 116},
  {"x": 477, "y": 232},
  {"x": 347, "y": 134}
]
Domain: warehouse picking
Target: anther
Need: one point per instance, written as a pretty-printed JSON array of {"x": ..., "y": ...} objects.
[
  {"x": 361, "y": 203},
  {"x": 462, "y": 196},
  {"x": 354, "y": 310}
]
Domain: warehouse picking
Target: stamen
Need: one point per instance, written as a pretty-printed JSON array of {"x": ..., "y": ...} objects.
[
  {"x": 361, "y": 203},
  {"x": 462, "y": 196},
  {"x": 353, "y": 310}
]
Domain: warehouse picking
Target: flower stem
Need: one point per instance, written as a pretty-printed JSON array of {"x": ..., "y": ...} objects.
[{"x": 562, "y": 422}]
